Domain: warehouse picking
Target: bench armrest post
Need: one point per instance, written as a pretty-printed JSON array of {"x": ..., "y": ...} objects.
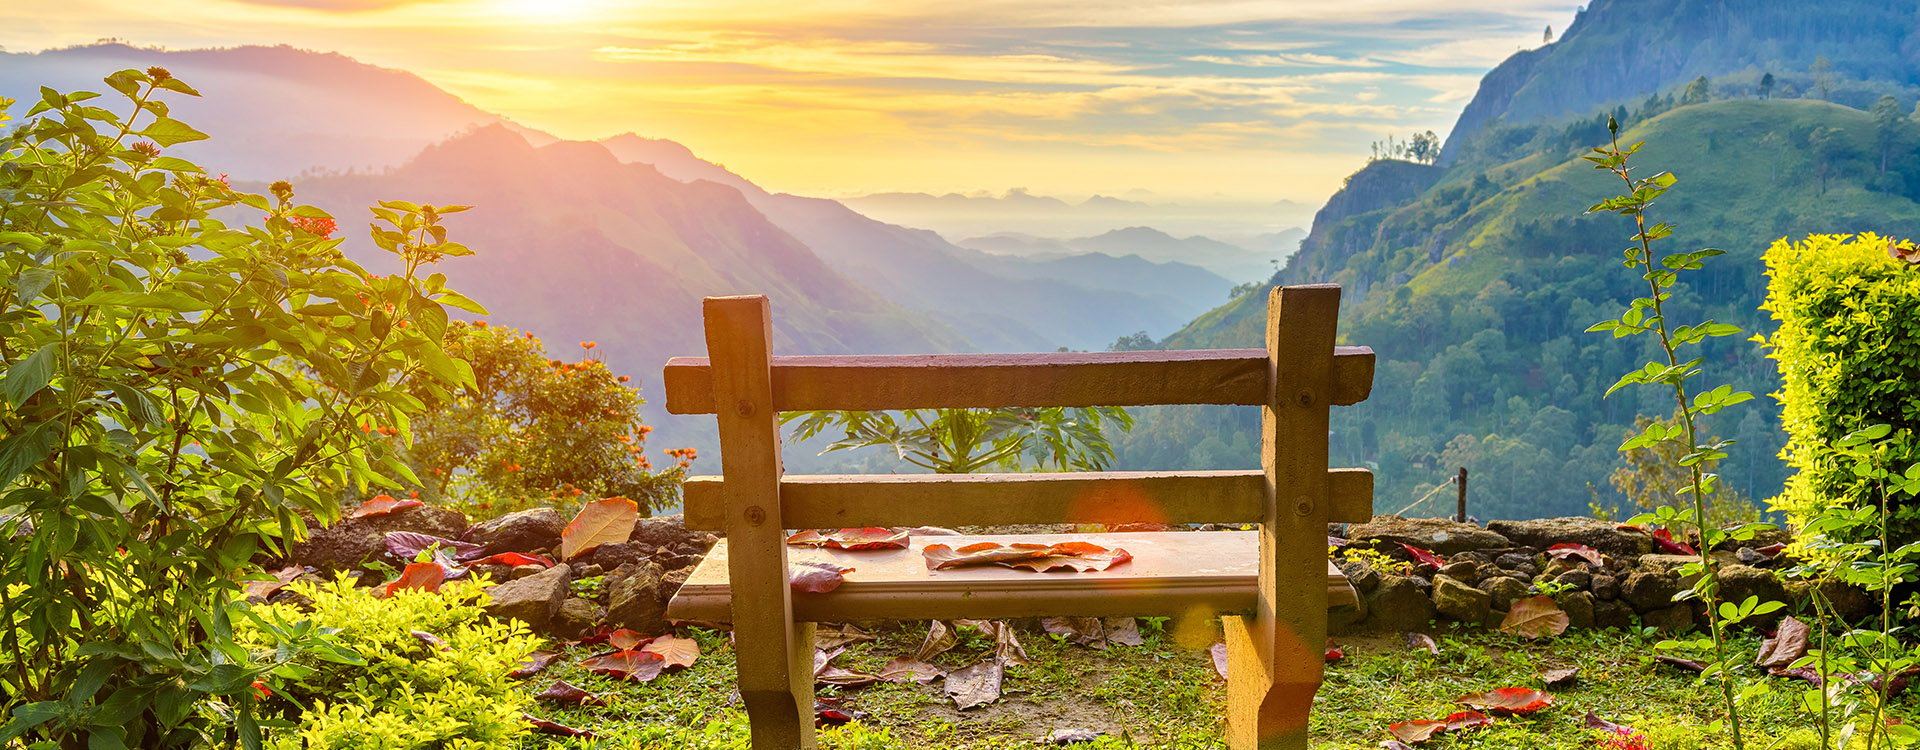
[{"x": 774, "y": 653}]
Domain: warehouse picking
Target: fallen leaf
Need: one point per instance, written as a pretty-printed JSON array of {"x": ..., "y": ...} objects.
[
  {"x": 931, "y": 531},
  {"x": 430, "y": 639},
  {"x": 381, "y": 505},
  {"x": 547, "y": 727},
  {"x": 1081, "y": 557},
  {"x": 1809, "y": 674},
  {"x": 1772, "y": 550},
  {"x": 1595, "y": 722},
  {"x": 1664, "y": 538},
  {"x": 1078, "y": 556},
  {"x": 1334, "y": 654},
  {"x": 407, "y": 545},
  {"x": 816, "y": 577},
  {"x": 258, "y": 591},
  {"x": 1535, "y": 617},
  {"x": 533, "y": 664},
  {"x": 835, "y": 636},
  {"x": 1559, "y": 677},
  {"x": 1418, "y": 730},
  {"x": 426, "y": 576},
  {"x": 1568, "y": 549},
  {"x": 975, "y": 685},
  {"x": 637, "y": 666},
  {"x": 827, "y": 712},
  {"x": 910, "y": 670},
  {"x": 563, "y": 692},
  {"x": 844, "y": 677},
  {"x": 941, "y": 557},
  {"x": 866, "y": 538},
  {"x": 1219, "y": 653},
  {"x": 940, "y": 638},
  {"x": 627, "y": 640},
  {"x": 1072, "y": 736},
  {"x": 600, "y": 634},
  {"x": 1085, "y": 631},
  {"x": 605, "y": 521},
  {"x": 1124, "y": 631},
  {"x": 1459, "y": 720},
  {"x": 1508, "y": 700},
  {"x": 1690, "y": 665},
  {"x": 1006, "y": 647},
  {"x": 1424, "y": 557},
  {"x": 677, "y": 652},
  {"x": 1422, "y": 641},
  {"x": 514, "y": 560},
  {"x": 1788, "y": 644}
]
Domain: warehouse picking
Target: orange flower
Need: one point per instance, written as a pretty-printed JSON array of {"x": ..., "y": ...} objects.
[
  {"x": 479, "y": 324},
  {"x": 588, "y": 344},
  {"x": 260, "y": 690},
  {"x": 624, "y": 378}
]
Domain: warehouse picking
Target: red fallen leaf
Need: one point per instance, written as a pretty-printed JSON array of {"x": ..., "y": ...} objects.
[
  {"x": 1664, "y": 538},
  {"x": 1422, "y": 641},
  {"x": 1418, "y": 730},
  {"x": 1219, "y": 653},
  {"x": 260, "y": 590},
  {"x": 827, "y": 712},
  {"x": 1334, "y": 654},
  {"x": 514, "y": 560},
  {"x": 865, "y": 538},
  {"x": 426, "y": 576},
  {"x": 605, "y": 521},
  {"x": 407, "y": 544},
  {"x": 1595, "y": 722},
  {"x": 1508, "y": 700},
  {"x": 627, "y": 640},
  {"x": 941, "y": 557},
  {"x": 1686, "y": 664},
  {"x": 1459, "y": 720},
  {"x": 677, "y": 652},
  {"x": 1081, "y": 556},
  {"x": 1809, "y": 674},
  {"x": 1568, "y": 549},
  {"x": 1535, "y": 617},
  {"x": 1424, "y": 557},
  {"x": 600, "y": 634},
  {"x": 563, "y": 692},
  {"x": 816, "y": 578},
  {"x": 547, "y": 727},
  {"x": 534, "y": 664},
  {"x": 381, "y": 505},
  {"x": 638, "y": 666}
]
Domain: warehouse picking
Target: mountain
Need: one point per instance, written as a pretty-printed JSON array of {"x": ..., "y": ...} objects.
[
  {"x": 1024, "y": 212},
  {"x": 1252, "y": 259},
  {"x": 1186, "y": 290},
  {"x": 277, "y": 111},
  {"x": 1474, "y": 280}
]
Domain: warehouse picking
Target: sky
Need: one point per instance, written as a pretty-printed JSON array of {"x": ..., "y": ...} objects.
[{"x": 1237, "y": 99}]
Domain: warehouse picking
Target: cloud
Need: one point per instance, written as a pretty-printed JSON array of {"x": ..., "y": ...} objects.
[
  {"x": 337, "y": 6},
  {"x": 1288, "y": 60}
]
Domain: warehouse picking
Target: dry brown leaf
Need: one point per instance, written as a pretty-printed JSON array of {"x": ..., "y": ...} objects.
[
  {"x": 1787, "y": 645},
  {"x": 627, "y": 640},
  {"x": 638, "y": 666},
  {"x": 940, "y": 639},
  {"x": 258, "y": 591},
  {"x": 1219, "y": 653},
  {"x": 1535, "y": 617},
  {"x": 677, "y": 652},
  {"x": 975, "y": 685},
  {"x": 1124, "y": 631},
  {"x": 867, "y": 538},
  {"x": 1085, "y": 631},
  {"x": 1559, "y": 677},
  {"x": 605, "y": 521},
  {"x": 910, "y": 670},
  {"x": 1423, "y": 642},
  {"x": 837, "y": 635}
]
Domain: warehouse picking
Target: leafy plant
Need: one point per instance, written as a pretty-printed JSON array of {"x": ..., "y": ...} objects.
[
  {"x": 1649, "y": 315},
  {"x": 1656, "y": 474},
  {"x": 963, "y": 441},
  {"x": 535, "y": 429},
  {"x": 178, "y": 389}
]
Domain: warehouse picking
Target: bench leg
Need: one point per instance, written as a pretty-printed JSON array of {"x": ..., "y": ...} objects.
[
  {"x": 1268, "y": 712},
  {"x": 779, "y": 697}
]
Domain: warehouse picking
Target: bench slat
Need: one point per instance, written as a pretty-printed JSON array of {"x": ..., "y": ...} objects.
[
  {"x": 1172, "y": 573},
  {"x": 945, "y": 381},
  {"x": 834, "y": 501}
]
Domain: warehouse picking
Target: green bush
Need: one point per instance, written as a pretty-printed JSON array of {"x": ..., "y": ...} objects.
[
  {"x": 411, "y": 691},
  {"x": 1849, "y": 352}
]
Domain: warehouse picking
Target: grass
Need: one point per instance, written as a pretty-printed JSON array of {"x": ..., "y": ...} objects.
[{"x": 1166, "y": 695}]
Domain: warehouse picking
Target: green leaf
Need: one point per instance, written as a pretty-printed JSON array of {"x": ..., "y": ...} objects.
[
  {"x": 141, "y": 406},
  {"x": 175, "y": 301},
  {"x": 26, "y": 377},
  {"x": 28, "y": 716},
  {"x": 167, "y": 131}
]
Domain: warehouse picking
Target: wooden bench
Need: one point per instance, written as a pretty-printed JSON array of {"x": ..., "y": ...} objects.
[{"x": 1278, "y": 577}]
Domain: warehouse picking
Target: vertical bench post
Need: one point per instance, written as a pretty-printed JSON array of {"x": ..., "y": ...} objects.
[
  {"x": 1275, "y": 660},
  {"x": 774, "y": 654}
]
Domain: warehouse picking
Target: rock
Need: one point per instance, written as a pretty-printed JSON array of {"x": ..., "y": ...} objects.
[
  {"x": 494, "y": 573},
  {"x": 1748, "y": 556},
  {"x": 529, "y": 530},
  {"x": 612, "y": 556},
  {"x": 1666, "y": 563},
  {"x": 1526, "y": 570},
  {"x": 1849, "y": 602},
  {"x": 352, "y": 542},
  {"x": 1473, "y": 556},
  {"x": 528, "y": 571},
  {"x": 1648, "y": 590},
  {"x": 576, "y": 616},
  {"x": 1464, "y": 571},
  {"x": 1398, "y": 605},
  {"x": 1346, "y": 619},
  {"x": 1738, "y": 582},
  {"x": 1605, "y": 587},
  {"x": 1504, "y": 591},
  {"x": 674, "y": 579},
  {"x": 1579, "y": 579},
  {"x": 662, "y": 532},
  {"x": 1674, "y": 619},
  {"x": 1579, "y": 608},
  {"x": 586, "y": 571},
  {"x": 1513, "y": 560},
  {"x": 1361, "y": 575},
  {"x": 534, "y": 599},
  {"x": 1612, "y": 614},
  {"x": 637, "y": 598},
  {"x": 1541, "y": 533},
  {"x": 1439, "y": 535},
  {"x": 1459, "y": 601}
]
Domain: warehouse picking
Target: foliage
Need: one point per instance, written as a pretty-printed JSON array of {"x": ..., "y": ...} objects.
[
  {"x": 178, "y": 389},
  {"x": 449, "y": 690},
  {"x": 1656, "y": 475},
  {"x": 962, "y": 441},
  {"x": 1422, "y": 148},
  {"x": 535, "y": 430},
  {"x": 1848, "y": 346}
]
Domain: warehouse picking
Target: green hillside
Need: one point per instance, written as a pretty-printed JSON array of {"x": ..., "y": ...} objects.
[{"x": 1475, "y": 294}]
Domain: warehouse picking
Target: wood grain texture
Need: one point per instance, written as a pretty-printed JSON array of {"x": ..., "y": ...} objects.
[
  {"x": 941, "y": 381},
  {"x": 1173, "y": 497},
  {"x": 774, "y": 654}
]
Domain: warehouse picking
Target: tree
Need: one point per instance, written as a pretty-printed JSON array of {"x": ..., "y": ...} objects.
[
  {"x": 963, "y": 441},
  {"x": 1697, "y": 92},
  {"x": 1822, "y": 76},
  {"x": 1766, "y": 86},
  {"x": 188, "y": 370},
  {"x": 1656, "y": 476},
  {"x": 1424, "y": 148},
  {"x": 1546, "y": 37},
  {"x": 533, "y": 429},
  {"x": 1886, "y": 128}
]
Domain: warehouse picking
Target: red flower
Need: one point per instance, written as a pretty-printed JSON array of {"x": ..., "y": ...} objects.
[
  {"x": 260, "y": 690},
  {"x": 318, "y": 226}
]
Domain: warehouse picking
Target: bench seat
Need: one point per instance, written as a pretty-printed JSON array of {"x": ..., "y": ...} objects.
[{"x": 1171, "y": 573}]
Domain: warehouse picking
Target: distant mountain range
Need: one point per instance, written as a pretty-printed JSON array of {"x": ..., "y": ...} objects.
[
  {"x": 1256, "y": 259},
  {"x": 1022, "y": 212}
]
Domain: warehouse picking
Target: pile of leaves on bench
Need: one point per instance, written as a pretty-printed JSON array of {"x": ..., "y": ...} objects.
[{"x": 820, "y": 578}]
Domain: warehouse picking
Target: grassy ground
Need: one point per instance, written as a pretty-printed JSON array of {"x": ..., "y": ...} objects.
[{"x": 1165, "y": 695}]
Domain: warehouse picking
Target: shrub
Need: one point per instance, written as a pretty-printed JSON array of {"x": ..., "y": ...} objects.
[
  {"x": 449, "y": 690},
  {"x": 178, "y": 387},
  {"x": 1849, "y": 353}
]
